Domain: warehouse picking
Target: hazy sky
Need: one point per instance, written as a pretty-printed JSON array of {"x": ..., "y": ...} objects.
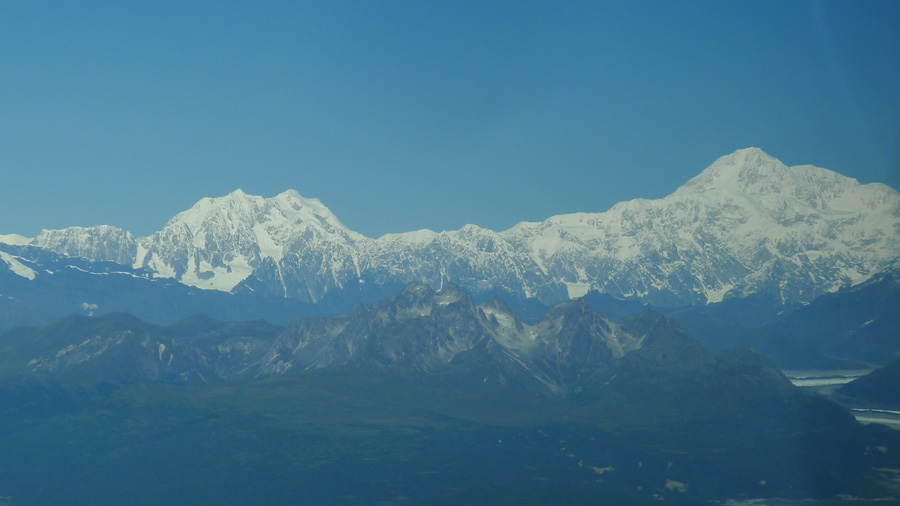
[{"x": 402, "y": 115}]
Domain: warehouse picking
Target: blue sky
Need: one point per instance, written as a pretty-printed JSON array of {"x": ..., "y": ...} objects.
[{"x": 401, "y": 115}]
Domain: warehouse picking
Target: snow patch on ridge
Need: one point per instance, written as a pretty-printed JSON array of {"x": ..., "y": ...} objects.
[
  {"x": 267, "y": 245},
  {"x": 415, "y": 238},
  {"x": 160, "y": 268},
  {"x": 139, "y": 257},
  {"x": 714, "y": 296},
  {"x": 14, "y": 240},
  {"x": 207, "y": 277},
  {"x": 576, "y": 290}
]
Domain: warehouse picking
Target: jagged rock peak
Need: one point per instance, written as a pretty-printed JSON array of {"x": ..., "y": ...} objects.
[
  {"x": 448, "y": 294},
  {"x": 570, "y": 308},
  {"x": 417, "y": 291}
]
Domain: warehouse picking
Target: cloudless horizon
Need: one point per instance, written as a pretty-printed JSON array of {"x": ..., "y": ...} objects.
[{"x": 406, "y": 115}]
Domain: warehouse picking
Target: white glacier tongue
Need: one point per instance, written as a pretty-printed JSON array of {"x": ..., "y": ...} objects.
[{"x": 17, "y": 267}]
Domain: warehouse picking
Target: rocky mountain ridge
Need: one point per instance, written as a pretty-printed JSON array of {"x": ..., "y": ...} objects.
[{"x": 419, "y": 333}]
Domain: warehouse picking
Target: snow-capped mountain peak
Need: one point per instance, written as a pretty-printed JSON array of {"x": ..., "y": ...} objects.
[
  {"x": 238, "y": 208},
  {"x": 752, "y": 172},
  {"x": 744, "y": 225},
  {"x": 219, "y": 242}
]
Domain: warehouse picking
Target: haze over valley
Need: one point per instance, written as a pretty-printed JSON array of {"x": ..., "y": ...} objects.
[{"x": 450, "y": 253}]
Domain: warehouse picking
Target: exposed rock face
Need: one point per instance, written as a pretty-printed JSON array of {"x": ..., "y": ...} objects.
[
  {"x": 427, "y": 332},
  {"x": 420, "y": 334}
]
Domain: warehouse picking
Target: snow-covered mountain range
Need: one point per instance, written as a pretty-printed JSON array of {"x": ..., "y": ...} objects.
[{"x": 748, "y": 224}]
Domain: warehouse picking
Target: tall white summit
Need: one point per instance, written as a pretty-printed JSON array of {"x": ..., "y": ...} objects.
[
  {"x": 746, "y": 225},
  {"x": 220, "y": 242}
]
